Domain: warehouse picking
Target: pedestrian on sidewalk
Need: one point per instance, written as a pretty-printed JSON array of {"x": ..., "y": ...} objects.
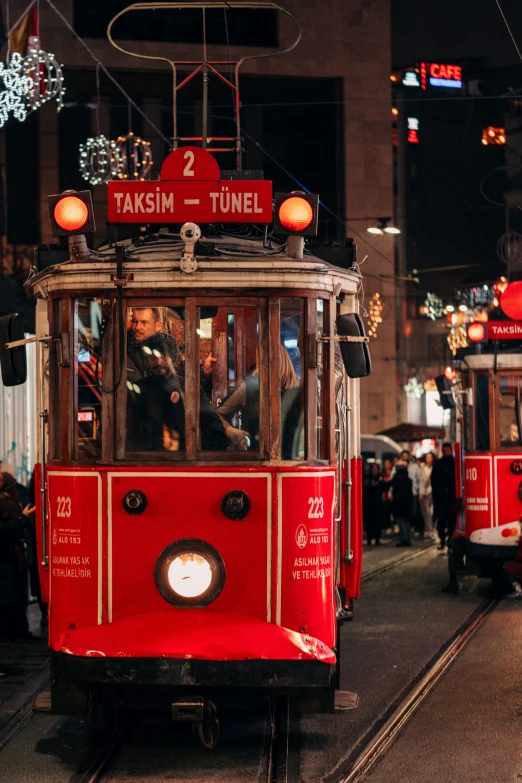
[
  {"x": 427, "y": 500},
  {"x": 373, "y": 505},
  {"x": 443, "y": 487},
  {"x": 13, "y": 563},
  {"x": 402, "y": 500},
  {"x": 513, "y": 572},
  {"x": 388, "y": 515}
]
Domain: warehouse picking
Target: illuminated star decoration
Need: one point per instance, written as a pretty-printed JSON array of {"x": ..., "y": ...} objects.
[
  {"x": 457, "y": 339},
  {"x": 17, "y": 88},
  {"x": 433, "y": 306},
  {"x": 375, "y": 307},
  {"x": 46, "y": 78},
  {"x": 135, "y": 157},
  {"x": 99, "y": 160},
  {"x": 414, "y": 389}
]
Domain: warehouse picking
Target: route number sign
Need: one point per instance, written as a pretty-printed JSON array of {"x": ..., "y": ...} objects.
[{"x": 190, "y": 189}]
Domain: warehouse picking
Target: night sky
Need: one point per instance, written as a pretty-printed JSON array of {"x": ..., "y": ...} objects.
[{"x": 461, "y": 29}]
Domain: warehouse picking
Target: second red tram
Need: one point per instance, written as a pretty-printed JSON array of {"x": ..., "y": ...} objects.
[{"x": 200, "y": 504}]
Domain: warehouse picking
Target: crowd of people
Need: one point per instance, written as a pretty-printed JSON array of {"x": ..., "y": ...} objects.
[{"x": 411, "y": 497}]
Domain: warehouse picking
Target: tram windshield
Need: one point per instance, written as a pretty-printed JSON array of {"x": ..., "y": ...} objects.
[{"x": 199, "y": 378}]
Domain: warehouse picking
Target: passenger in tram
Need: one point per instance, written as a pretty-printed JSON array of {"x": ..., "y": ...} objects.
[
  {"x": 156, "y": 410},
  {"x": 402, "y": 501},
  {"x": 443, "y": 488},
  {"x": 246, "y": 400},
  {"x": 145, "y": 322}
]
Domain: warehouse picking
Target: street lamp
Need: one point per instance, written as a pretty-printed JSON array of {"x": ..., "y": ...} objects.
[{"x": 382, "y": 227}]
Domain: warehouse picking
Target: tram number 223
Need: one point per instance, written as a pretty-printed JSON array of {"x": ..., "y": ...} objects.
[
  {"x": 315, "y": 508},
  {"x": 64, "y": 506},
  {"x": 471, "y": 474}
]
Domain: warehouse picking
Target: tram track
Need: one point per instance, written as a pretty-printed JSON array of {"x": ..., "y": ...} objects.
[
  {"x": 395, "y": 563},
  {"x": 376, "y": 741}
]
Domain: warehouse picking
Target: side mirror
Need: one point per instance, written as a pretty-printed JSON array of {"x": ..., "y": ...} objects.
[
  {"x": 445, "y": 394},
  {"x": 356, "y": 356},
  {"x": 13, "y": 361}
]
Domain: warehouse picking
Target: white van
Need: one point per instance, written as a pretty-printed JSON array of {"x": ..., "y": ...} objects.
[{"x": 377, "y": 448}]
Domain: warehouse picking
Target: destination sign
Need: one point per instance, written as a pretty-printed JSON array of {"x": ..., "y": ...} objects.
[
  {"x": 504, "y": 330},
  {"x": 190, "y": 189}
]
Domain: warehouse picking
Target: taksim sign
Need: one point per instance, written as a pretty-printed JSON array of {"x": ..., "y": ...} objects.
[
  {"x": 440, "y": 75},
  {"x": 190, "y": 189}
]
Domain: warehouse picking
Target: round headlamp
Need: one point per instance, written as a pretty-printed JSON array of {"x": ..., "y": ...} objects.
[{"x": 190, "y": 572}]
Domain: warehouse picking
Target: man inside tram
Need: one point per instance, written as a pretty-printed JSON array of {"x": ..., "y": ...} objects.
[
  {"x": 155, "y": 404},
  {"x": 144, "y": 323}
]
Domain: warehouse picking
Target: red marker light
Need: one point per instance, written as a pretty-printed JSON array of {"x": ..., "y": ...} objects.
[
  {"x": 296, "y": 213},
  {"x": 71, "y": 213},
  {"x": 476, "y": 332},
  {"x": 450, "y": 373},
  {"x": 511, "y": 300}
]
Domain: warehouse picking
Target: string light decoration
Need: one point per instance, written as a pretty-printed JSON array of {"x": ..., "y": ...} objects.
[
  {"x": 375, "y": 308},
  {"x": 414, "y": 390},
  {"x": 17, "y": 89},
  {"x": 46, "y": 77},
  {"x": 135, "y": 157},
  {"x": 99, "y": 160},
  {"x": 457, "y": 339},
  {"x": 433, "y": 307}
]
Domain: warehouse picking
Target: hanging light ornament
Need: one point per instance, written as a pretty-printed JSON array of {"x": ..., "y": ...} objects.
[
  {"x": 17, "y": 89},
  {"x": 45, "y": 74},
  {"x": 375, "y": 308},
  {"x": 457, "y": 339},
  {"x": 433, "y": 306},
  {"x": 414, "y": 390},
  {"x": 135, "y": 157},
  {"x": 99, "y": 160}
]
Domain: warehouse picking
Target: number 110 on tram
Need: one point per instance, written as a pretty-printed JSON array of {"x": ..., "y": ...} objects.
[{"x": 199, "y": 514}]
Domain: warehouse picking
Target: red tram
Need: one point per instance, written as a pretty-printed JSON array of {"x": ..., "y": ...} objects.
[
  {"x": 199, "y": 468},
  {"x": 491, "y": 455}
]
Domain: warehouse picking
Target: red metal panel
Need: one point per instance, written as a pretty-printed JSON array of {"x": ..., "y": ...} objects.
[
  {"x": 351, "y": 572},
  {"x": 305, "y": 562},
  {"x": 202, "y": 634},
  {"x": 188, "y": 505},
  {"x": 478, "y": 493},
  {"x": 75, "y": 525},
  {"x": 42, "y": 571}
]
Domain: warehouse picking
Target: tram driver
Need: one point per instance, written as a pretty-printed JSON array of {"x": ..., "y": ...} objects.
[{"x": 155, "y": 404}]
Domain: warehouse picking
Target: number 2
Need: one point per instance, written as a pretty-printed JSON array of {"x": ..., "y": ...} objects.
[
  {"x": 188, "y": 171},
  {"x": 316, "y": 508}
]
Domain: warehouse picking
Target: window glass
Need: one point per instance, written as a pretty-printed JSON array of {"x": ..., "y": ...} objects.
[
  {"x": 229, "y": 376},
  {"x": 89, "y": 369},
  {"x": 155, "y": 379},
  {"x": 291, "y": 372},
  {"x": 509, "y": 411},
  {"x": 321, "y": 433},
  {"x": 482, "y": 412}
]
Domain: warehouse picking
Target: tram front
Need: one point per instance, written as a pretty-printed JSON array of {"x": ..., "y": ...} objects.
[{"x": 196, "y": 519}]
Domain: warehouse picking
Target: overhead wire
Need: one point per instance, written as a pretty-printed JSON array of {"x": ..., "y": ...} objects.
[{"x": 509, "y": 29}]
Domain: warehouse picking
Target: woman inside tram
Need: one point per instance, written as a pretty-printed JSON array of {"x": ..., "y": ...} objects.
[{"x": 245, "y": 399}]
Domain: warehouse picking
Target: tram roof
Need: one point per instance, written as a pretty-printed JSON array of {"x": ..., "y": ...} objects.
[
  {"x": 487, "y": 361},
  {"x": 231, "y": 263}
]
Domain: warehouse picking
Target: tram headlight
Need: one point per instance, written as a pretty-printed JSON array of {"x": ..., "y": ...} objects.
[{"x": 190, "y": 572}]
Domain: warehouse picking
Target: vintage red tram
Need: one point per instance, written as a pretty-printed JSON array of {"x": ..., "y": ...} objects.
[
  {"x": 491, "y": 454},
  {"x": 199, "y": 468}
]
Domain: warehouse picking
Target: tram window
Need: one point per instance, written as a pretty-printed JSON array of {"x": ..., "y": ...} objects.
[
  {"x": 229, "y": 376},
  {"x": 482, "y": 412},
  {"x": 89, "y": 376},
  {"x": 509, "y": 411},
  {"x": 321, "y": 403},
  {"x": 155, "y": 379},
  {"x": 291, "y": 370}
]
